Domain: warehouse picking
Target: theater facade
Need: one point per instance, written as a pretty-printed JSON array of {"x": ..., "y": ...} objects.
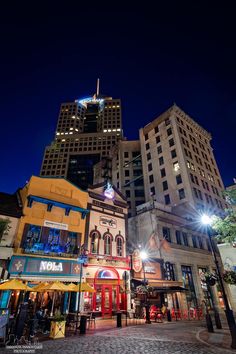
[{"x": 108, "y": 265}]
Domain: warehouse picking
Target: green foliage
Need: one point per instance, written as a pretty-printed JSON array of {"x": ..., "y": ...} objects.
[
  {"x": 4, "y": 226},
  {"x": 226, "y": 227},
  {"x": 142, "y": 289},
  {"x": 231, "y": 196},
  {"x": 58, "y": 317},
  {"x": 229, "y": 277}
]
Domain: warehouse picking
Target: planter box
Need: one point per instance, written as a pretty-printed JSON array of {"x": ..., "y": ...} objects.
[{"x": 57, "y": 329}]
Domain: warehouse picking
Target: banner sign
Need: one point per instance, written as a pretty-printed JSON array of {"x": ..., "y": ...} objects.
[
  {"x": 136, "y": 261},
  {"x": 55, "y": 225}
]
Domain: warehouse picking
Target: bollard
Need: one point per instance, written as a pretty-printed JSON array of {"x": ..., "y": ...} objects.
[
  {"x": 168, "y": 316},
  {"x": 217, "y": 320},
  {"x": 209, "y": 323},
  {"x": 118, "y": 319},
  {"x": 147, "y": 314},
  {"x": 83, "y": 323}
]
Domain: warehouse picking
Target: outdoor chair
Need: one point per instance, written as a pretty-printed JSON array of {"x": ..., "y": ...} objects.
[
  {"x": 71, "y": 322},
  {"x": 91, "y": 319}
]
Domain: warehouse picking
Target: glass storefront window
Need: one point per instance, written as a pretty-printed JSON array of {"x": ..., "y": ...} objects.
[
  {"x": 33, "y": 236},
  {"x": 88, "y": 300},
  {"x": 205, "y": 288},
  {"x": 98, "y": 306},
  {"x": 188, "y": 284},
  {"x": 40, "y": 240}
]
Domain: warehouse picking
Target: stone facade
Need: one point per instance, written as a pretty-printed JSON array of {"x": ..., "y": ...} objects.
[{"x": 179, "y": 241}]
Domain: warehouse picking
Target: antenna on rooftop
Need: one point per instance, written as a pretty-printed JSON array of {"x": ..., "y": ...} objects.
[{"x": 98, "y": 83}]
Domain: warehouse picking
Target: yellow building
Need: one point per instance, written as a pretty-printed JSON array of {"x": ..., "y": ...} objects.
[{"x": 51, "y": 231}]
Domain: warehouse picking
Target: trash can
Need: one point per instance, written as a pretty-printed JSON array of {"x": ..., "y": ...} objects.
[
  {"x": 119, "y": 323},
  {"x": 83, "y": 323},
  {"x": 168, "y": 315}
]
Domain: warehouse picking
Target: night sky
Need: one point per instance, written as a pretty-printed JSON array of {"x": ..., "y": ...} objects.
[{"x": 150, "y": 58}]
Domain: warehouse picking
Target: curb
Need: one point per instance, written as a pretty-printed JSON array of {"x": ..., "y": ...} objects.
[{"x": 211, "y": 345}]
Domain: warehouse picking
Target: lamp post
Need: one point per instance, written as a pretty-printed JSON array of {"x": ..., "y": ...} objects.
[
  {"x": 82, "y": 260},
  {"x": 144, "y": 256},
  {"x": 206, "y": 220}
]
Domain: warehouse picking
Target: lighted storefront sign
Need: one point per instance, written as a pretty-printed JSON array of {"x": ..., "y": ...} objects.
[
  {"x": 50, "y": 266},
  {"x": 46, "y": 266},
  {"x": 136, "y": 261},
  {"x": 150, "y": 270},
  {"x": 107, "y": 222},
  {"x": 55, "y": 225}
]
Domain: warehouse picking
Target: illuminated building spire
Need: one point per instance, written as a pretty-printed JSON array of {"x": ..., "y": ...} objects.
[{"x": 98, "y": 83}]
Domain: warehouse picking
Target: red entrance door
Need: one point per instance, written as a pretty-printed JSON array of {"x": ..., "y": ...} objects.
[{"x": 107, "y": 301}]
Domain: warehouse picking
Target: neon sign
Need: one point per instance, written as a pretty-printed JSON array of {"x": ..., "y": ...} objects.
[{"x": 86, "y": 100}]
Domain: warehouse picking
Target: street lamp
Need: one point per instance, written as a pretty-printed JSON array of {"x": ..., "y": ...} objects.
[
  {"x": 207, "y": 221},
  {"x": 144, "y": 256}
]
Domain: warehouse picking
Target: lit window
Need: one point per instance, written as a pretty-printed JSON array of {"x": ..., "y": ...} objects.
[{"x": 176, "y": 166}]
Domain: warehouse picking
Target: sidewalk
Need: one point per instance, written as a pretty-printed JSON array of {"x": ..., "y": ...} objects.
[{"x": 221, "y": 338}]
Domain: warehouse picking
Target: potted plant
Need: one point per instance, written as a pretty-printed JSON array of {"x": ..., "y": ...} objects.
[
  {"x": 229, "y": 277},
  {"x": 58, "y": 325}
]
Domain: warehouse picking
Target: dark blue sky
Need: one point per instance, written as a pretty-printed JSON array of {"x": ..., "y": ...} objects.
[{"x": 150, "y": 58}]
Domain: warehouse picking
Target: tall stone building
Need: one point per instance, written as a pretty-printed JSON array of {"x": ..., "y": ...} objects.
[
  {"x": 86, "y": 131},
  {"x": 179, "y": 166}
]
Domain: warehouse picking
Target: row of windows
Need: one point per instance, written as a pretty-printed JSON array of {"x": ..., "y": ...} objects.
[
  {"x": 108, "y": 238},
  {"x": 182, "y": 238},
  {"x": 205, "y": 185},
  {"x": 86, "y": 139},
  {"x": 195, "y": 149},
  {"x": 181, "y": 193},
  {"x": 189, "y": 129},
  {"x": 128, "y": 154},
  {"x": 156, "y": 129},
  {"x": 53, "y": 173},
  {"x": 208, "y": 198}
]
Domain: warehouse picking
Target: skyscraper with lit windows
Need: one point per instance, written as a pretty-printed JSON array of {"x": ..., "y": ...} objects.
[{"x": 86, "y": 131}]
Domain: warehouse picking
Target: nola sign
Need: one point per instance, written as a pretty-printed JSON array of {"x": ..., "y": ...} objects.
[
  {"x": 48, "y": 266},
  {"x": 136, "y": 261}
]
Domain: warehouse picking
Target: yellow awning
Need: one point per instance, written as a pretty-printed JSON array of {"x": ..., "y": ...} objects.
[
  {"x": 14, "y": 284},
  {"x": 83, "y": 287}
]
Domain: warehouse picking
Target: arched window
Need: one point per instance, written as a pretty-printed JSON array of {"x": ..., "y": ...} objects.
[
  {"x": 107, "y": 244},
  {"x": 119, "y": 246},
  {"x": 94, "y": 242}
]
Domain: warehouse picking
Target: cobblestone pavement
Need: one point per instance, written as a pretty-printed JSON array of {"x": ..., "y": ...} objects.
[{"x": 166, "y": 338}]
